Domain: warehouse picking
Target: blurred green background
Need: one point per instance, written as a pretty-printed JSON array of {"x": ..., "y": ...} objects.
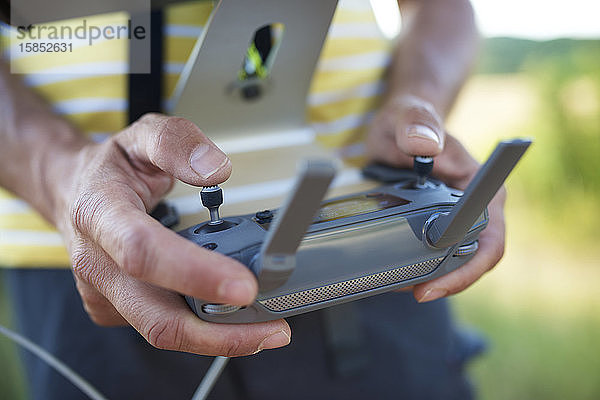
[{"x": 540, "y": 307}]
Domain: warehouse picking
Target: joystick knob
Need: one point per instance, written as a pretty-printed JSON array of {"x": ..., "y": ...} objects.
[
  {"x": 423, "y": 167},
  {"x": 212, "y": 198}
]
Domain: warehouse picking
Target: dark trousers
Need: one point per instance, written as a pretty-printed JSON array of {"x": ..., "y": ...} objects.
[{"x": 408, "y": 351}]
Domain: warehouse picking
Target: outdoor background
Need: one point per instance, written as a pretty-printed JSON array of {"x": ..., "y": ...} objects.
[{"x": 539, "y": 308}]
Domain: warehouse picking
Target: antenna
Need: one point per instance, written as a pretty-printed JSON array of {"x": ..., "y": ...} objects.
[
  {"x": 278, "y": 253},
  {"x": 449, "y": 229}
]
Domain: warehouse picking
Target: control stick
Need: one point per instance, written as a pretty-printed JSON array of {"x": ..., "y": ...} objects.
[
  {"x": 212, "y": 198},
  {"x": 422, "y": 166}
]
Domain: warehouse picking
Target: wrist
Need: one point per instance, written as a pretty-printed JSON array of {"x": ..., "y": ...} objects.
[
  {"x": 53, "y": 163},
  {"x": 60, "y": 180}
]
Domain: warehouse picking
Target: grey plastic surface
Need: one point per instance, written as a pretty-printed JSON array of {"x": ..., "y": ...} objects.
[
  {"x": 278, "y": 253},
  {"x": 357, "y": 255},
  {"x": 450, "y": 228},
  {"x": 342, "y": 250}
]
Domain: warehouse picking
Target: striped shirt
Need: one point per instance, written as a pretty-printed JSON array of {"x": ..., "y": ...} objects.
[{"x": 344, "y": 94}]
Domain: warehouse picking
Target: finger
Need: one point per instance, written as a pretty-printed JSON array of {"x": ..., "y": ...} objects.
[
  {"x": 381, "y": 142},
  {"x": 455, "y": 166},
  {"x": 92, "y": 269},
  {"x": 144, "y": 249},
  {"x": 405, "y": 289},
  {"x": 178, "y": 147},
  {"x": 491, "y": 250},
  {"x": 487, "y": 257},
  {"x": 99, "y": 309},
  {"x": 164, "y": 319},
  {"x": 419, "y": 129}
]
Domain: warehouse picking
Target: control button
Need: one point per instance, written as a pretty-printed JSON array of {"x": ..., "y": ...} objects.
[
  {"x": 262, "y": 217},
  {"x": 219, "y": 309},
  {"x": 423, "y": 167},
  {"x": 467, "y": 249},
  {"x": 212, "y": 198},
  {"x": 210, "y": 246}
]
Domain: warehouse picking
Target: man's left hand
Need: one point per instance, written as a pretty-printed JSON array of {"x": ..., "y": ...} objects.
[{"x": 408, "y": 126}]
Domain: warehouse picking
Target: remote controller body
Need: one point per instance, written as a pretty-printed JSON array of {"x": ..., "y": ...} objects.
[
  {"x": 358, "y": 246},
  {"x": 318, "y": 254}
]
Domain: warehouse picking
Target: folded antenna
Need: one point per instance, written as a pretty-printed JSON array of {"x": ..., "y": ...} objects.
[
  {"x": 449, "y": 229},
  {"x": 278, "y": 252}
]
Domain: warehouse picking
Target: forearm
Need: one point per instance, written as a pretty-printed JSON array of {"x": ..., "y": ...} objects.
[
  {"x": 36, "y": 145},
  {"x": 435, "y": 51}
]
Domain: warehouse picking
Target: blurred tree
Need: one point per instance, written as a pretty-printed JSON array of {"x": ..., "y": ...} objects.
[{"x": 563, "y": 172}]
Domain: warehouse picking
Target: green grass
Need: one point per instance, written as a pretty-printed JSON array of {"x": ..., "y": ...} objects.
[
  {"x": 540, "y": 307},
  {"x": 540, "y": 310},
  {"x": 532, "y": 355},
  {"x": 12, "y": 383}
]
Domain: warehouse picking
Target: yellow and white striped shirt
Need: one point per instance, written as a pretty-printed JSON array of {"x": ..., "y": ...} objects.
[{"x": 344, "y": 94}]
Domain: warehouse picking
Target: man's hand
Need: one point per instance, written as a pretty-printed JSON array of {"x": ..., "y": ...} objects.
[
  {"x": 128, "y": 267},
  {"x": 409, "y": 126}
]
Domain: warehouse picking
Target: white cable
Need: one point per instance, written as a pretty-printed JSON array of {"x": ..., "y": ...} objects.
[
  {"x": 209, "y": 380},
  {"x": 60, "y": 367}
]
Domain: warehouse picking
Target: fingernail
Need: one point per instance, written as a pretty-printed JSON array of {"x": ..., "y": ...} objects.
[
  {"x": 207, "y": 160},
  {"x": 237, "y": 291},
  {"x": 423, "y": 132},
  {"x": 433, "y": 294},
  {"x": 275, "y": 340}
]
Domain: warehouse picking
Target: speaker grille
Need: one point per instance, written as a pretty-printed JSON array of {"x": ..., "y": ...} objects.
[{"x": 335, "y": 290}]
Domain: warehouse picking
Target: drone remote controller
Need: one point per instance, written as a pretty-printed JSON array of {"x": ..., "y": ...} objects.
[{"x": 310, "y": 255}]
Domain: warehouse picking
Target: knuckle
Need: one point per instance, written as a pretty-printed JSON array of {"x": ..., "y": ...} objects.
[
  {"x": 464, "y": 283},
  {"x": 233, "y": 347},
  {"x": 497, "y": 255},
  {"x": 494, "y": 250},
  {"x": 421, "y": 111},
  {"x": 238, "y": 343},
  {"x": 81, "y": 263},
  {"x": 460, "y": 284},
  {"x": 175, "y": 127},
  {"x": 151, "y": 120},
  {"x": 134, "y": 252},
  {"x": 179, "y": 125},
  {"x": 84, "y": 210},
  {"x": 173, "y": 131},
  {"x": 165, "y": 334}
]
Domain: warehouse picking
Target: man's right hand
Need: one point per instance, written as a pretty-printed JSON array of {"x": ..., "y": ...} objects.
[{"x": 129, "y": 269}]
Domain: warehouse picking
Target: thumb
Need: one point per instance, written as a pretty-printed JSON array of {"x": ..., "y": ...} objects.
[
  {"x": 178, "y": 147},
  {"x": 419, "y": 129}
]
